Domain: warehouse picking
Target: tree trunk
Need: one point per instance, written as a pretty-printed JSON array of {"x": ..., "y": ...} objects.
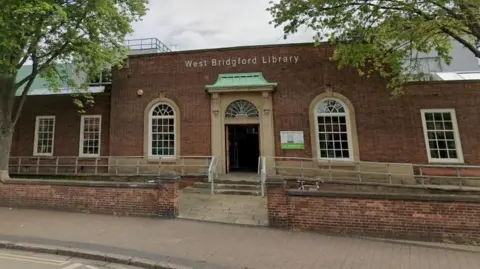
[
  {"x": 7, "y": 100},
  {"x": 5, "y": 145}
]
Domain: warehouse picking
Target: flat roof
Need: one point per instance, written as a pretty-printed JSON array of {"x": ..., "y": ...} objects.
[{"x": 243, "y": 47}]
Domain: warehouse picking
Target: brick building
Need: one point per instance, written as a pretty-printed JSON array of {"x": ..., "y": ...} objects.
[{"x": 243, "y": 102}]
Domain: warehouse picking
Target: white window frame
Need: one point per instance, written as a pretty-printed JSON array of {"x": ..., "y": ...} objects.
[
  {"x": 456, "y": 136},
  {"x": 35, "y": 141},
  {"x": 82, "y": 126},
  {"x": 347, "y": 122},
  {"x": 150, "y": 136}
]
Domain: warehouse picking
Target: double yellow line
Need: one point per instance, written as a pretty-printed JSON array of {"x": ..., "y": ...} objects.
[{"x": 32, "y": 259}]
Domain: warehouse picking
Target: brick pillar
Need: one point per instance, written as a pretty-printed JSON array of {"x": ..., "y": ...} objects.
[
  {"x": 277, "y": 203},
  {"x": 168, "y": 197}
]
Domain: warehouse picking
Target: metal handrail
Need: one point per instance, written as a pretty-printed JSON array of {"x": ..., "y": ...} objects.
[
  {"x": 263, "y": 174},
  {"x": 353, "y": 172},
  {"x": 108, "y": 165},
  {"x": 212, "y": 172}
]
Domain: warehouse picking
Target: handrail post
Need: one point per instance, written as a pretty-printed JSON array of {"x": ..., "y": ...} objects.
[
  {"x": 116, "y": 166},
  {"x": 359, "y": 176},
  {"x": 211, "y": 177},
  {"x": 301, "y": 169},
  {"x": 330, "y": 170},
  {"x": 38, "y": 164},
  {"x": 458, "y": 177},
  {"x": 96, "y": 166},
  {"x": 263, "y": 176},
  {"x": 138, "y": 166},
  {"x": 182, "y": 172},
  {"x": 56, "y": 166},
  {"x": 76, "y": 165},
  {"x": 19, "y": 165},
  {"x": 389, "y": 173},
  {"x": 421, "y": 176}
]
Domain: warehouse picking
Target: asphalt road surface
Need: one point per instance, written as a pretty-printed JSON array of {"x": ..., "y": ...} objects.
[{"x": 30, "y": 260}]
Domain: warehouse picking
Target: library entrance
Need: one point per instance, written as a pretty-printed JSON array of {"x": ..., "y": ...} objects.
[
  {"x": 243, "y": 147},
  {"x": 242, "y": 121}
]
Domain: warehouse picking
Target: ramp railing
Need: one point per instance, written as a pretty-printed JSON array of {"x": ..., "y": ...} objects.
[
  {"x": 456, "y": 176},
  {"x": 112, "y": 165}
]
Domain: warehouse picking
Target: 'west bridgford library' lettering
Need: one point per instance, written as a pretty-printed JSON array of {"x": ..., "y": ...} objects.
[{"x": 236, "y": 61}]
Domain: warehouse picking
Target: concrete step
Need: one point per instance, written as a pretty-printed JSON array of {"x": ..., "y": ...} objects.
[
  {"x": 236, "y": 182},
  {"x": 222, "y": 191},
  {"x": 228, "y": 186}
]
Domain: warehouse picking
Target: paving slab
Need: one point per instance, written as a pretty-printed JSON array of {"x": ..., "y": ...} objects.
[{"x": 239, "y": 209}]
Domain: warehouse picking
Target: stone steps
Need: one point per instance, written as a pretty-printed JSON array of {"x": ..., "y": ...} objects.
[
  {"x": 225, "y": 190},
  {"x": 235, "y": 186}
]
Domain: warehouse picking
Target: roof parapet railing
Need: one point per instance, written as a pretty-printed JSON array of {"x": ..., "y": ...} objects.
[{"x": 147, "y": 44}]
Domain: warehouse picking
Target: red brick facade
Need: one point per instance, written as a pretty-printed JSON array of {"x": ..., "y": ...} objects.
[
  {"x": 67, "y": 124},
  {"x": 388, "y": 130},
  {"x": 406, "y": 216}
]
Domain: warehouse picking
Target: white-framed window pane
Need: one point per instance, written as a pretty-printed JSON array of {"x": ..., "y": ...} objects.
[
  {"x": 44, "y": 134},
  {"x": 440, "y": 132},
  {"x": 333, "y": 137},
  {"x": 90, "y": 136},
  {"x": 332, "y": 127},
  {"x": 162, "y": 131}
]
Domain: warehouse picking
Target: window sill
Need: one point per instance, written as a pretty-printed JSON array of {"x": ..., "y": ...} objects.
[
  {"x": 93, "y": 158},
  {"x": 43, "y": 156},
  {"x": 447, "y": 163},
  {"x": 336, "y": 163},
  {"x": 151, "y": 159}
]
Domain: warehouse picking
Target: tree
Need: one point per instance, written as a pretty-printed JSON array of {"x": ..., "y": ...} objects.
[
  {"x": 384, "y": 36},
  {"x": 88, "y": 34}
]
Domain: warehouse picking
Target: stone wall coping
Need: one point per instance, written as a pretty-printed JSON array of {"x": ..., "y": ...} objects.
[
  {"x": 386, "y": 196},
  {"x": 96, "y": 184},
  {"x": 275, "y": 180}
]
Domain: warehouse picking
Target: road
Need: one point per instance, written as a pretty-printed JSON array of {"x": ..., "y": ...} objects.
[{"x": 30, "y": 260}]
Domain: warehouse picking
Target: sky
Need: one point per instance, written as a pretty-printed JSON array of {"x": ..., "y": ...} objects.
[{"x": 199, "y": 24}]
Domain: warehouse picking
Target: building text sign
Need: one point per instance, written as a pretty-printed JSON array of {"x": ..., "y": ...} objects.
[
  {"x": 291, "y": 140},
  {"x": 236, "y": 61}
]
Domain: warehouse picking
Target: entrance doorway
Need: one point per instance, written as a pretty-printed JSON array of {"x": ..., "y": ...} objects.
[{"x": 243, "y": 147}]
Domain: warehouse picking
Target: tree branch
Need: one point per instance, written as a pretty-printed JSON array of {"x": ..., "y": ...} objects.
[{"x": 18, "y": 109}]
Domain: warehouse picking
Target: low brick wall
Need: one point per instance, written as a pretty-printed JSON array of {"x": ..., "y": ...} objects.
[
  {"x": 118, "y": 198},
  {"x": 431, "y": 217},
  {"x": 188, "y": 181}
]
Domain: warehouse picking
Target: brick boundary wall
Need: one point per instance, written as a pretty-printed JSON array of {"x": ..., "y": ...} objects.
[
  {"x": 118, "y": 198},
  {"x": 430, "y": 217}
]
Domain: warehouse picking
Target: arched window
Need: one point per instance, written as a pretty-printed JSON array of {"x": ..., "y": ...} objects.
[
  {"x": 241, "y": 108},
  {"x": 333, "y": 130},
  {"x": 162, "y": 130}
]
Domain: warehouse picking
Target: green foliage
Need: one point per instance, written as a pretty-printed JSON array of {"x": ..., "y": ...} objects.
[
  {"x": 89, "y": 34},
  {"x": 384, "y": 36}
]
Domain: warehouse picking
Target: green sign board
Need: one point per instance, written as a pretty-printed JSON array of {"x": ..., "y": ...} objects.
[{"x": 291, "y": 140}]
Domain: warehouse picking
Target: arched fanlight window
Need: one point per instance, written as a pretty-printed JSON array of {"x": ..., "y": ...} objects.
[
  {"x": 333, "y": 129},
  {"x": 241, "y": 108},
  {"x": 162, "y": 130}
]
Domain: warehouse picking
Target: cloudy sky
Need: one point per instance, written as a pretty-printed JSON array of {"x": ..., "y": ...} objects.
[{"x": 197, "y": 24}]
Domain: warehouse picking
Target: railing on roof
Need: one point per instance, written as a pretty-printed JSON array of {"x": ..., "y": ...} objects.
[
  {"x": 321, "y": 171},
  {"x": 113, "y": 165},
  {"x": 147, "y": 44}
]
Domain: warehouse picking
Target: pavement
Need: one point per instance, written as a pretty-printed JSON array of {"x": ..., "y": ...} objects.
[
  {"x": 235, "y": 209},
  {"x": 206, "y": 245},
  {"x": 34, "y": 260}
]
